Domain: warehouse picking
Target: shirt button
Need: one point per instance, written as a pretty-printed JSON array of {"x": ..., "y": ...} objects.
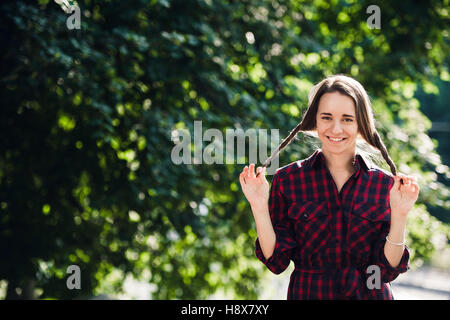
[{"x": 305, "y": 215}]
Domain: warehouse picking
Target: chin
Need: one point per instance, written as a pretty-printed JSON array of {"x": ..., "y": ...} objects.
[
  {"x": 335, "y": 150},
  {"x": 345, "y": 147}
]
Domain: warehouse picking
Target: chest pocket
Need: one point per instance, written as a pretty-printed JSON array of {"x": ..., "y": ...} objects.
[
  {"x": 311, "y": 223},
  {"x": 366, "y": 225}
]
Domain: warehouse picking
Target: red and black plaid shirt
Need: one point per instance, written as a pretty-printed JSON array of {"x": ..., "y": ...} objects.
[{"x": 332, "y": 237}]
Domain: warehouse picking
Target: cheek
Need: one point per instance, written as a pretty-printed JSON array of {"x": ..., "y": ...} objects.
[
  {"x": 321, "y": 128},
  {"x": 352, "y": 131}
]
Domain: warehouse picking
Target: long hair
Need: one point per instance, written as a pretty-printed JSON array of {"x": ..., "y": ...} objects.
[{"x": 364, "y": 115}]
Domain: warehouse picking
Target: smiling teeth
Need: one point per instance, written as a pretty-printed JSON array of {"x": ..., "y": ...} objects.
[{"x": 337, "y": 140}]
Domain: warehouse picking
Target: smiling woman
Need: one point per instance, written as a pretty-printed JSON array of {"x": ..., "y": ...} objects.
[{"x": 332, "y": 214}]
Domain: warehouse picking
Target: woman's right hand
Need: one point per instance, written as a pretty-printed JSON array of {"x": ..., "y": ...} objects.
[{"x": 256, "y": 189}]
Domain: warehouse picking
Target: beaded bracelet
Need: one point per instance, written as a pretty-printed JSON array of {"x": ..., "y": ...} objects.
[{"x": 394, "y": 243}]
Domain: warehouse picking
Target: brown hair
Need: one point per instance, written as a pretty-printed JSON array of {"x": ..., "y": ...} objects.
[{"x": 364, "y": 115}]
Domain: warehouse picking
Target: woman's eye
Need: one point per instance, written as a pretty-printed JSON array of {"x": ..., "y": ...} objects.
[
  {"x": 348, "y": 120},
  {"x": 326, "y": 118}
]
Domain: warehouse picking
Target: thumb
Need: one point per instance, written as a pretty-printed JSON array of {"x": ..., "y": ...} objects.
[
  {"x": 262, "y": 172},
  {"x": 396, "y": 183},
  {"x": 259, "y": 172}
]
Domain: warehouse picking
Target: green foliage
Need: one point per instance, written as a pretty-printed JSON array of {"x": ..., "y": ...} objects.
[{"x": 86, "y": 120}]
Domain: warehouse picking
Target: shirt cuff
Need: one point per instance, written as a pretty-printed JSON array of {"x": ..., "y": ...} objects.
[
  {"x": 390, "y": 273},
  {"x": 278, "y": 262}
]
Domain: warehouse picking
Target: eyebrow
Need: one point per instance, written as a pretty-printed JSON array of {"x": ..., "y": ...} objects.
[{"x": 329, "y": 114}]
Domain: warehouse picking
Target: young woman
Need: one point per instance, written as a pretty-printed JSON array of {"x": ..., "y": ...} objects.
[{"x": 341, "y": 221}]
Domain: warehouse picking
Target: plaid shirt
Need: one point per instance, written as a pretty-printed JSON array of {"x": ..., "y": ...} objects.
[{"x": 332, "y": 237}]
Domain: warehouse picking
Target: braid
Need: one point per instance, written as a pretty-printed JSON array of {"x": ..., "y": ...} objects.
[
  {"x": 283, "y": 144},
  {"x": 380, "y": 146}
]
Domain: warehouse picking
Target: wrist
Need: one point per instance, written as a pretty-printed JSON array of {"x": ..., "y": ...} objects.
[
  {"x": 260, "y": 205},
  {"x": 399, "y": 216},
  {"x": 398, "y": 223},
  {"x": 402, "y": 243},
  {"x": 397, "y": 232}
]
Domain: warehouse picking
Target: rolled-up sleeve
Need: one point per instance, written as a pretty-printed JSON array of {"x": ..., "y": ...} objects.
[{"x": 283, "y": 227}]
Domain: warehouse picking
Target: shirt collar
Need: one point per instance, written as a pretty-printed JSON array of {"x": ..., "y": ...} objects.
[{"x": 317, "y": 158}]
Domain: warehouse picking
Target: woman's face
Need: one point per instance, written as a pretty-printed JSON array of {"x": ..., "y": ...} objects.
[{"x": 336, "y": 123}]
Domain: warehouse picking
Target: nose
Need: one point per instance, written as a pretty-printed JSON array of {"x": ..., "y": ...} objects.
[{"x": 336, "y": 128}]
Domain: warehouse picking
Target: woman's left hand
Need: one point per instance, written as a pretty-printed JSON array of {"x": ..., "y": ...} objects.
[{"x": 403, "y": 196}]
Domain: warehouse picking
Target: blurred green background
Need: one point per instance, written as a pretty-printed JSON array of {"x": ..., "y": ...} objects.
[{"x": 87, "y": 116}]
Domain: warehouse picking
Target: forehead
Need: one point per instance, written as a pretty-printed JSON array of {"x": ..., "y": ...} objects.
[{"x": 336, "y": 103}]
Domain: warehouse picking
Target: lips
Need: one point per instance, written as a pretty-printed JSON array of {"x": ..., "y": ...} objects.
[{"x": 335, "y": 139}]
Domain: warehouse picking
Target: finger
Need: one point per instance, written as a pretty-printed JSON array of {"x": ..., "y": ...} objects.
[
  {"x": 407, "y": 182},
  {"x": 241, "y": 178},
  {"x": 408, "y": 178},
  {"x": 400, "y": 182},
  {"x": 408, "y": 186},
  {"x": 404, "y": 181},
  {"x": 416, "y": 187},
  {"x": 263, "y": 173},
  {"x": 401, "y": 178},
  {"x": 404, "y": 186},
  {"x": 252, "y": 170},
  {"x": 411, "y": 189},
  {"x": 245, "y": 171},
  {"x": 396, "y": 183}
]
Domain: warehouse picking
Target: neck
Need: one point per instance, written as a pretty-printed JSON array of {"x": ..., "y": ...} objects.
[{"x": 339, "y": 162}]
